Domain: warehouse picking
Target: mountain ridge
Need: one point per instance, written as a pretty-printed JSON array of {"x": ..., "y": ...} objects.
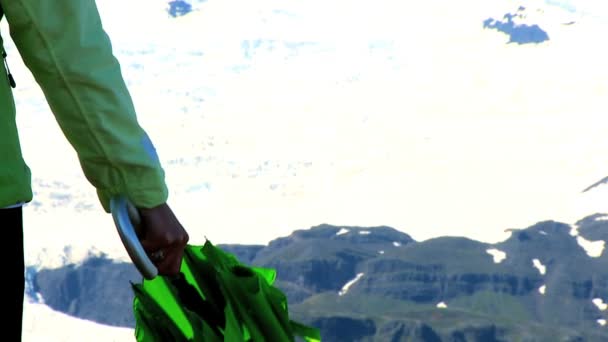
[{"x": 380, "y": 284}]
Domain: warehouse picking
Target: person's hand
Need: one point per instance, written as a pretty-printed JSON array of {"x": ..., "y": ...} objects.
[{"x": 163, "y": 238}]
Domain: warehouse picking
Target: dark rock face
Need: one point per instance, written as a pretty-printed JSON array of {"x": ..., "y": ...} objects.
[
  {"x": 486, "y": 334},
  {"x": 344, "y": 329},
  {"x": 325, "y": 257},
  {"x": 434, "y": 287},
  {"x": 397, "y": 331},
  {"x": 477, "y": 334},
  {"x": 594, "y": 227},
  {"x": 294, "y": 293},
  {"x": 318, "y": 275},
  {"x": 178, "y": 8},
  {"x": 601, "y": 181},
  {"x": 97, "y": 290},
  {"x": 427, "y": 334},
  {"x": 382, "y": 236},
  {"x": 518, "y": 33}
]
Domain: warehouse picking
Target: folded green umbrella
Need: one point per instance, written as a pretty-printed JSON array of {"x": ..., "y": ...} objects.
[{"x": 214, "y": 298}]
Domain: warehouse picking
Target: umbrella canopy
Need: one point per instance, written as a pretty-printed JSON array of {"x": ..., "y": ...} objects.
[{"x": 215, "y": 298}]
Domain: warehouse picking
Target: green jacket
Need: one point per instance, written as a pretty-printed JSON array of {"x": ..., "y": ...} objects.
[{"x": 65, "y": 47}]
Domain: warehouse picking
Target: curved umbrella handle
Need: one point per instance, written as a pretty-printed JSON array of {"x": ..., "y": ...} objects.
[{"x": 127, "y": 220}]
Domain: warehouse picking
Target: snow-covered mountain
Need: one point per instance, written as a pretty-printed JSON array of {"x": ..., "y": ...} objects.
[{"x": 273, "y": 115}]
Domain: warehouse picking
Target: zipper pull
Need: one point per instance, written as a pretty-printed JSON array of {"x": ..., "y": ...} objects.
[{"x": 11, "y": 80}]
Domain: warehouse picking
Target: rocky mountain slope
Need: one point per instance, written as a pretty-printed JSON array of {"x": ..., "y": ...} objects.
[{"x": 364, "y": 284}]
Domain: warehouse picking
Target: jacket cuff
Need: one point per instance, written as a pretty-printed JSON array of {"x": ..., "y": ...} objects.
[{"x": 141, "y": 198}]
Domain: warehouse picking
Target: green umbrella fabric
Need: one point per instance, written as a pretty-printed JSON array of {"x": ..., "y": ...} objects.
[{"x": 215, "y": 298}]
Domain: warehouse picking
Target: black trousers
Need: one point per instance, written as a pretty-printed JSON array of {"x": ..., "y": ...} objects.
[{"x": 11, "y": 223}]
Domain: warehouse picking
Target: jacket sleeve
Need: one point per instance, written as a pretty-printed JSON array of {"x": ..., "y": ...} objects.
[{"x": 64, "y": 45}]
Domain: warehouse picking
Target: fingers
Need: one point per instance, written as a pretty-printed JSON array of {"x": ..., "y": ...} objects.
[
  {"x": 172, "y": 262},
  {"x": 174, "y": 236},
  {"x": 166, "y": 253},
  {"x": 164, "y": 239}
]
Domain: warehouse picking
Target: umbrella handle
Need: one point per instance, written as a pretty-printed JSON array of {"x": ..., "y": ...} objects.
[{"x": 127, "y": 221}]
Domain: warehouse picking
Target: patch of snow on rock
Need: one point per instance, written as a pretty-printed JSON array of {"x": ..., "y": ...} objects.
[
  {"x": 346, "y": 286},
  {"x": 497, "y": 254},
  {"x": 542, "y": 269},
  {"x": 342, "y": 231}
]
